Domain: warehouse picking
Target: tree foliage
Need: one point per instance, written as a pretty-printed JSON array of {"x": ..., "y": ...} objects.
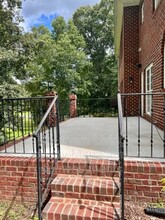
[
  {"x": 96, "y": 25},
  {"x": 75, "y": 55},
  {"x": 13, "y": 91},
  {"x": 59, "y": 27},
  {"x": 61, "y": 61},
  {"x": 10, "y": 40}
]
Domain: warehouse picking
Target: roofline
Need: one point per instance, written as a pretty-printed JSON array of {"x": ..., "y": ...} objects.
[{"x": 119, "y": 5}]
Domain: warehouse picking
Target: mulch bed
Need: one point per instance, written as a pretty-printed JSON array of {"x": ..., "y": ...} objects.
[
  {"x": 17, "y": 211},
  {"x": 20, "y": 211},
  {"x": 135, "y": 211}
]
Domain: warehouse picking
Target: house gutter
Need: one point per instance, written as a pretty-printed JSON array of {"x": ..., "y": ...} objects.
[{"x": 118, "y": 13}]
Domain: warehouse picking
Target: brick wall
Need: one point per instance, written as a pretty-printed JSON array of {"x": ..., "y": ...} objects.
[
  {"x": 142, "y": 181},
  {"x": 18, "y": 179},
  {"x": 129, "y": 57},
  {"x": 152, "y": 37},
  {"x": 143, "y": 43},
  {"x": 131, "y": 46}
]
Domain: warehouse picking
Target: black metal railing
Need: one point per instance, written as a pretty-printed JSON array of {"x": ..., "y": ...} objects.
[
  {"x": 64, "y": 105},
  {"x": 97, "y": 107},
  {"x": 121, "y": 154},
  {"x": 19, "y": 118},
  {"x": 47, "y": 142},
  {"x": 141, "y": 124},
  {"x": 144, "y": 118}
]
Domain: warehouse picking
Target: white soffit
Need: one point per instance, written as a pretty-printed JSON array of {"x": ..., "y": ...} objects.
[{"x": 130, "y": 2}]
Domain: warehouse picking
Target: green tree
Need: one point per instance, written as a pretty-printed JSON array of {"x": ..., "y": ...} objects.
[
  {"x": 71, "y": 67},
  {"x": 59, "y": 27},
  {"x": 97, "y": 27},
  {"x": 12, "y": 91},
  {"x": 40, "y": 48},
  {"x": 10, "y": 44},
  {"x": 61, "y": 62}
]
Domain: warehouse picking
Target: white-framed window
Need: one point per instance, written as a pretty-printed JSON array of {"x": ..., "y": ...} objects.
[
  {"x": 142, "y": 12},
  {"x": 164, "y": 64},
  {"x": 149, "y": 88},
  {"x": 156, "y": 2}
]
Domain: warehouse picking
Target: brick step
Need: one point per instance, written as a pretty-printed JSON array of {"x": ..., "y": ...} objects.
[
  {"x": 86, "y": 187},
  {"x": 80, "y": 209},
  {"x": 88, "y": 167}
]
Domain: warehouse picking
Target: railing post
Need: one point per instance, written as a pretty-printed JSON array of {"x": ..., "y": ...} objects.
[
  {"x": 58, "y": 131},
  {"x": 151, "y": 141},
  {"x": 73, "y": 105},
  {"x": 139, "y": 131},
  {"x": 121, "y": 155},
  {"x": 39, "y": 182},
  {"x": 121, "y": 165},
  {"x": 164, "y": 123},
  {"x": 126, "y": 123}
]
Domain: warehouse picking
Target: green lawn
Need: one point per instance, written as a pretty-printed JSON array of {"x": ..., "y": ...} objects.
[{"x": 23, "y": 126}]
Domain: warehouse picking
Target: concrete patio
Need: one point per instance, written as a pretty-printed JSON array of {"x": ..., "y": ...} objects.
[{"x": 98, "y": 138}]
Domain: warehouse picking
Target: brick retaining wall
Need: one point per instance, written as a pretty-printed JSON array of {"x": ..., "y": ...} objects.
[
  {"x": 142, "y": 180},
  {"x": 18, "y": 177}
]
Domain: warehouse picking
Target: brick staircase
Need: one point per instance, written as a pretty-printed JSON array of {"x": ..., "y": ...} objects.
[{"x": 84, "y": 189}]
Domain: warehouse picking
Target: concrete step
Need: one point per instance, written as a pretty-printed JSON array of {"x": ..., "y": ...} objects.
[
  {"x": 88, "y": 166},
  {"x": 80, "y": 209},
  {"x": 86, "y": 187}
]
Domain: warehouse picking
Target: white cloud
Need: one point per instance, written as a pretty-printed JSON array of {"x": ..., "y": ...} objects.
[{"x": 33, "y": 9}]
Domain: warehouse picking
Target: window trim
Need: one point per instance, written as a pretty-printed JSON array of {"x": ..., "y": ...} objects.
[
  {"x": 148, "y": 98},
  {"x": 156, "y": 3},
  {"x": 142, "y": 12}
]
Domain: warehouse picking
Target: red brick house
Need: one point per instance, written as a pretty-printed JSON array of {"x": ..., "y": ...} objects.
[{"x": 140, "y": 49}]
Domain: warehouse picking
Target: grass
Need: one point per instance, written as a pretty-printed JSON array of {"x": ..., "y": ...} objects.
[
  {"x": 24, "y": 126},
  {"x": 16, "y": 211}
]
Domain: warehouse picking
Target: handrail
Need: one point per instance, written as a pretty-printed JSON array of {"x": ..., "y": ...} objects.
[
  {"x": 101, "y": 98},
  {"x": 140, "y": 94},
  {"x": 45, "y": 116},
  {"x": 27, "y": 98},
  {"x": 121, "y": 154},
  {"x": 49, "y": 155}
]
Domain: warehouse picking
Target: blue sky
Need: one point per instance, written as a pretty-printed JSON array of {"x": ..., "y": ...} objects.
[{"x": 42, "y": 12}]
